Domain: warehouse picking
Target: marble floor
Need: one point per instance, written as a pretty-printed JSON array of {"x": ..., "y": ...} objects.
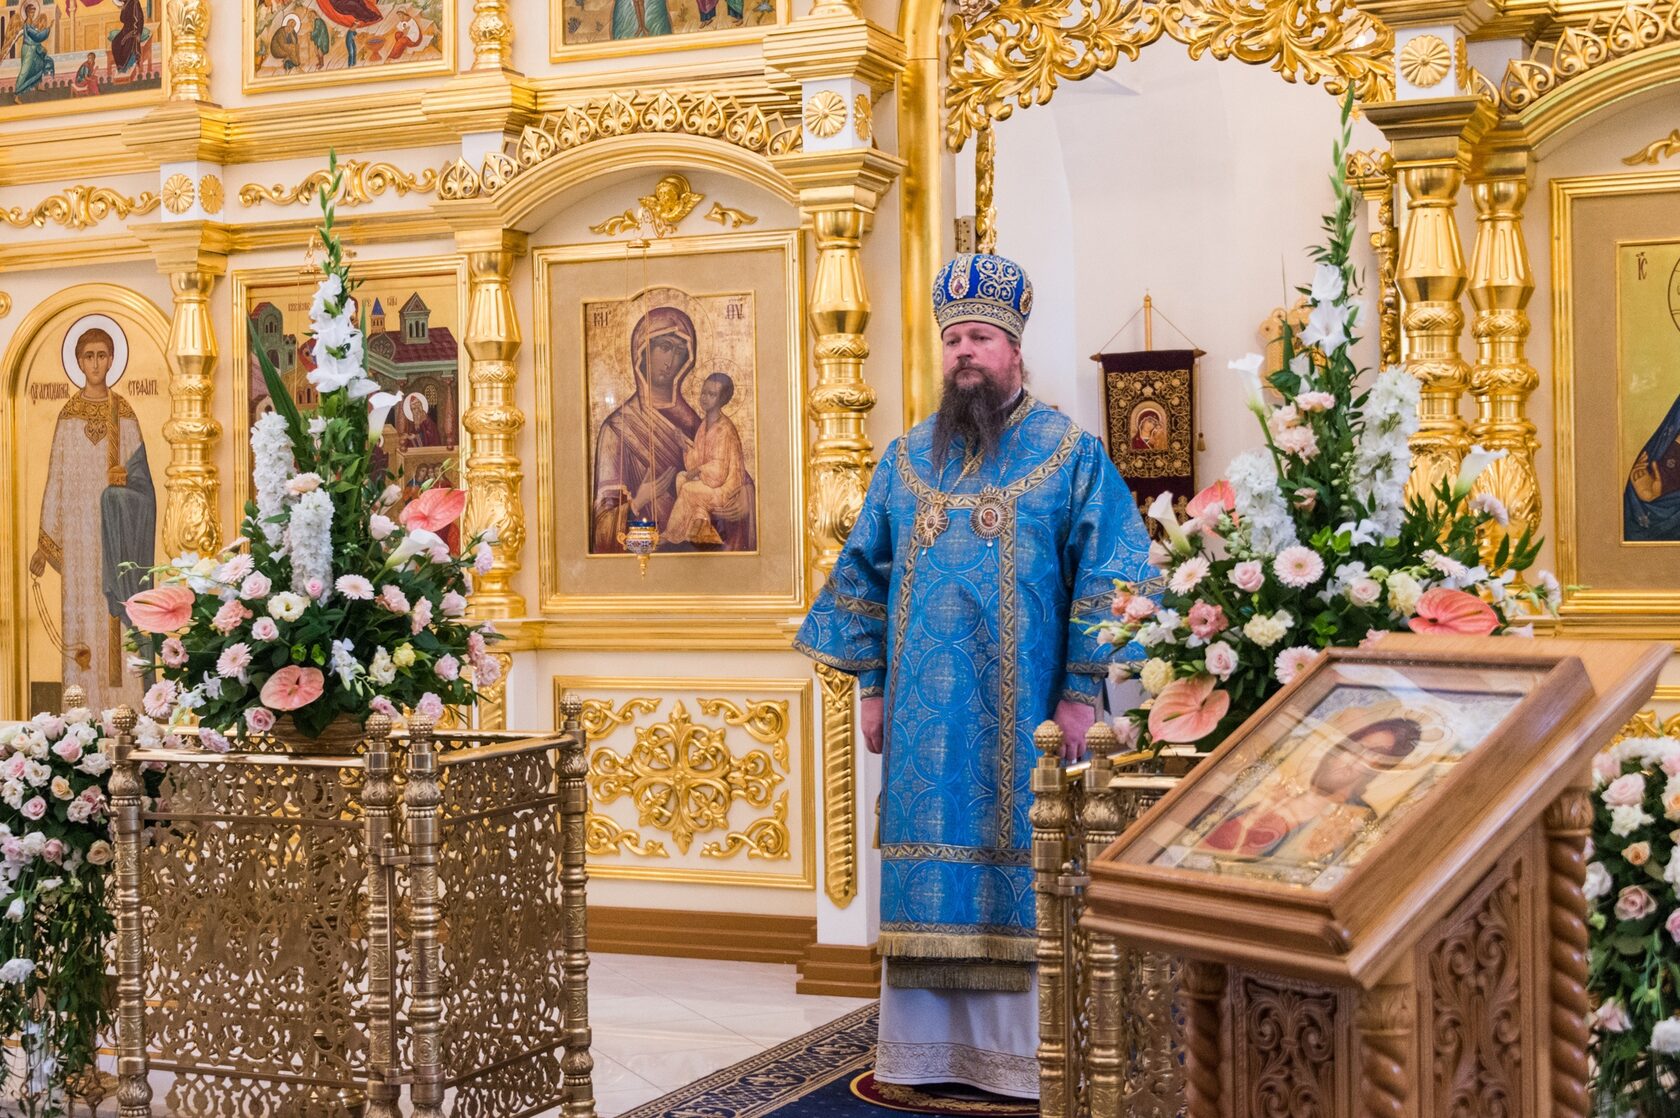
[{"x": 660, "y": 1023}]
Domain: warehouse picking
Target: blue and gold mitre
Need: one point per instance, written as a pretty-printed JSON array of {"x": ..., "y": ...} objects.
[{"x": 979, "y": 287}]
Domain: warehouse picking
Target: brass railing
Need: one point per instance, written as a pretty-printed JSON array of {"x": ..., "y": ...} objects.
[
  {"x": 1110, "y": 1038},
  {"x": 302, "y": 935}
]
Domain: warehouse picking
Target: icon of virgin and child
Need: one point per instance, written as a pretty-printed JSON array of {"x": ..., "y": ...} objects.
[{"x": 659, "y": 457}]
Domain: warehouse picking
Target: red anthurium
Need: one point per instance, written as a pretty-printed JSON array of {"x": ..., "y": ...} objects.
[
  {"x": 1454, "y": 611},
  {"x": 435, "y": 509},
  {"x": 1187, "y": 710},
  {"x": 162, "y": 609}
]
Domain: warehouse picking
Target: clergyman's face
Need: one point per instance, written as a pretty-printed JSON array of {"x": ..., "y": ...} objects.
[
  {"x": 978, "y": 351},
  {"x": 94, "y": 359},
  {"x": 665, "y": 357}
]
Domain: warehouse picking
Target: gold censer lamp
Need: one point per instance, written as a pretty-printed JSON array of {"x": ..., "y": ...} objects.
[{"x": 639, "y": 538}]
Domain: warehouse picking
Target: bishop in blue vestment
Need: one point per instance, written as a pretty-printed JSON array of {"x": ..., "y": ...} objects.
[{"x": 990, "y": 537}]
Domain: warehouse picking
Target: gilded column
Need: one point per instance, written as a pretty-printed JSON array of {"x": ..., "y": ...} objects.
[
  {"x": 189, "y": 50},
  {"x": 493, "y": 419},
  {"x": 1372, "y": 174},
  {"x": 189, "y": 516},
  {"x": 1431, "y": 141},
  {"x": 985, "y": 188},
  {"x": 1052, "y": 816},
  {"x": 491, "y": 31},
  {"x": 1501, "y": 283}
]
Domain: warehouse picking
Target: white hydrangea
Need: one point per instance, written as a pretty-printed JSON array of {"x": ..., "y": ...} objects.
[
  {"x": 1260, "y": 504},
  {"x": 1383, "y": 459},
  {"x": 272, "y": 467},
  {"x": 309, "y": 539}
]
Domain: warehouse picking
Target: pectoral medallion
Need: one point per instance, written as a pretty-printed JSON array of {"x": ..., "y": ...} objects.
[
  {"x": 931, "y": 521},
  {"x": 991, "y": 515}
]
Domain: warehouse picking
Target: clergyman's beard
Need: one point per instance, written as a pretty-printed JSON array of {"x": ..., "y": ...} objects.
[{"x": 974, "y": 413}]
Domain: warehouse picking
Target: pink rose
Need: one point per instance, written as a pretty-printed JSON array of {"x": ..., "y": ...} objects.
[
  {"x": 381, "y": 705},
  {"x": 34, "y": 808},
  {"x": 1671, "y": 764},
  {"x": 13, "y": 850},
  {"x": 53, "y": 851},
  {"x": 1673, "y": 925},
  {"x": 1605, "y": 766},
  {"x": 256, "y": 585},
  {"x": 1634, "y": 903},
  {"x": 1221, "y": 659},
  {"x": 447, "y": 668},
  {"x": 69, "y": 750},
  {"x": 1364, "y": 591},
  {"x": 1248, "y": 576},
  {"x": 260, "y": 720},
  {"x": 1372, "y": 636},
  {"x": 380, "y": 526},
  {"x": 1610, "y": 1017},
  {"x": 264, "y": 629},
  {"x": 1625, "y": 791},
  {"x": 1206, "y": 619},
  {"x": 13, "y": 767},
  {"x": 315, "y": 588},
  {"x": 173, "y": 653},
  {"x": 430, "y": 706}
]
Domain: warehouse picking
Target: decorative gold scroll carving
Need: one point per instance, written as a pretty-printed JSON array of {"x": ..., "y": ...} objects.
[
  {"x": 684, "y": 778},
  {"x": 620, "y": 114},
  {"x": 1019, "y": 51},
  {"x": 1649, "y": 724},
  {"x": 5, "y": 304},
  {"x": 1655, "y": 151},
  {"x": 78, "y": 207},
  {"x": 363, "y": 182},
  {"x": 730, "y": 218},
  {"x": 660, "y": 212},
  {"x": 1558, "y": 59},
  {"x": 839, "y": 695},
  {"x": 603, "y": 836}
]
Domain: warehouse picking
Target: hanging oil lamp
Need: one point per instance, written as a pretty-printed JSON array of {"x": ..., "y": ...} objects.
[{"x": 639, "y": 538}]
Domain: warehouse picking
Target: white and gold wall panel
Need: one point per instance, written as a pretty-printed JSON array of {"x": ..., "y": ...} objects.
[{"x": 700, "y": 781}]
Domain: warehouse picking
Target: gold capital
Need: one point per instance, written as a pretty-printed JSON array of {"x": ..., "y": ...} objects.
[
  {"x": 491, "y": 31},
  {"x": 189, "y": 52}
]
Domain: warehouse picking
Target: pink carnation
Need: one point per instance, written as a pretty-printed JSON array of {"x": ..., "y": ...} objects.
[
  {"x": 447, "y": 668},
  {"x": 476, "y": 645},
  {"x": 1299, "y": 441},
  {"x": 381, "y": 705},
  {"x": 454, "y": 605},
  {"x": 430, "y": 706},
  {"x": 393, "y": 599},
  {"x": 1206, "y": 619},
  {"x": 1140, "y": 607},
  {"x": 486, "y": 671},
  {"x": 173, "y": 653},
  {"x": 422, "y": 616},
  {"x": 1315, "y": 401},
  {"x": 483, "y": 559},
  {"x": 210, "y": 740},
  {"x": 229, "y": 617}
]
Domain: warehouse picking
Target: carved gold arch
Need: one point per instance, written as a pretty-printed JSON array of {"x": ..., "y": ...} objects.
[{"x": 156, "y": 324}]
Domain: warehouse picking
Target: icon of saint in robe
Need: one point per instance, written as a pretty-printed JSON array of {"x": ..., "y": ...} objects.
[
  {"x": 1651, "y": 498},
  {"x": 642, "y": 442},
  {"x": 98, "y": 515},
  {"x": 1315, "y": 823}
]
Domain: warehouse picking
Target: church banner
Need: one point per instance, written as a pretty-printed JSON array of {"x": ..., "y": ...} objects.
[{"x": 1149, "y": 422}]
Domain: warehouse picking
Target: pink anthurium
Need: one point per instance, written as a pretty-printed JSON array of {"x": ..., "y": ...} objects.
[
  {"x": 435, "y": 509},
  {"x": 162, "y": 609},
  {"x": 1217, "y": 496},
  {"x": 1187, "y": 710},
  {"x": 1442, "y": 610},
  {"x": 292, "y": 688}
]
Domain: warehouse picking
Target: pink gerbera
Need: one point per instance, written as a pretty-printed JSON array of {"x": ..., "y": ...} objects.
[
  {"x": 1298, "y": 566},
  {"x": 1291, "y": 660}
]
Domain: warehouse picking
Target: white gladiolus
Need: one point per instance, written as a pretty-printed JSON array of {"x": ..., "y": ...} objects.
[
  {"x": 1328, "y": 285},
  {"x": 1326, "y": 327},
  {"x": 1383, "y": 460},
  {"x": 271, "y": 468},
  {"x": 343, "y": 661}
]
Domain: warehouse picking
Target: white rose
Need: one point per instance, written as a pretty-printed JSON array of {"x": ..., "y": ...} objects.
[
  {"x": 1598, "y": 881},
  {"x": 1403, "y": 593},
  {"x": 15, "y": 972},
  {"x": 1156, "y": 674},
  {"x": 1626, "y": 820},
  {"x": 100, "y": 853},
  {"x": 1666, "y": 1036}
]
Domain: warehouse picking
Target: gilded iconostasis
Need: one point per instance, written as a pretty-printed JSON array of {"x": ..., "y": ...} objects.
[{"x": 667, "y": 261}]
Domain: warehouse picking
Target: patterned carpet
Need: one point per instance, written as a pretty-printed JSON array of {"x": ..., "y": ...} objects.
[{"x": 823, "y": 1074}]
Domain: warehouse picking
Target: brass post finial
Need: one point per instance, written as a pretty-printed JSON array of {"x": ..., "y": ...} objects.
[
  {"x": 125, "y": 720},
  {"x": 74, "y": 696},
  {"x": 571, "y": 707},
  {"x": 1048, "y": 740}
]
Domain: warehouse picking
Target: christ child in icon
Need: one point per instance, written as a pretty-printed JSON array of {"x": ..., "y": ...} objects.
[{"x": 713, "y": 481}]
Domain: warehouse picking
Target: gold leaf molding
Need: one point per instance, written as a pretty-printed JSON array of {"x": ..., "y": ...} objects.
[
  {"x": 363, "y": 181},
  {"x": 78, "y": 207}
]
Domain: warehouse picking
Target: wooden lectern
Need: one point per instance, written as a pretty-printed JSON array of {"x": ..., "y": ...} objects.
[{"x": 1376, "y": 882}]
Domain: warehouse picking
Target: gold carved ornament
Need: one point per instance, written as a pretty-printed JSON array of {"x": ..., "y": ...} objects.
[
  {"x": 211, "y": 194},
  {"x": 1655, "y": 151},
  {"x": 683, "y": 777},
  {"x": 1019, "y": 51},
  {"x": 661, "y": 212},
  {"x": 1425, "y": 60},
  {"x": 189, "y": 51},
  {"x": 363, "y": 181},
  {"x": 863, "y": 117},
  {"x": 79, "y": 207},
  {"x": 5, "y": 304},
  {"x": 620, "y": 114},
  {"x": 730, "y": 218},
  {"x": 1575, "y": 51},
  {"x": 825, "y": 114},
  {"x": 178, "y": 193},
  {"x": 839, "y": 691}
]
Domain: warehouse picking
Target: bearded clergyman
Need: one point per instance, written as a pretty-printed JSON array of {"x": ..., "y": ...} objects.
[{"x": 990, "y": 538}]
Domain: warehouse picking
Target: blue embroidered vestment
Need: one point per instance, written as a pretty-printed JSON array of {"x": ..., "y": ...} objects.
[{"x": 964, "y": 600}]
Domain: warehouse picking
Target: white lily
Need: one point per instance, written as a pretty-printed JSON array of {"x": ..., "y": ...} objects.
[
  {"x": 1162, "y": 513},
  {"x": 1471, "y": 468},
  {"x": 379, "y": 409},
  {"x": 1249, "y": 367},
  {"x": 418, "y": 541},
  {"x": 1328, "y": 284}
]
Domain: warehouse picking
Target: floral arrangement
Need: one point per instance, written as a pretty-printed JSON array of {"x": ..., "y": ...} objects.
[
  {"x": 342, "y": 596},
  {"x": 1310, "y": 541},
  {"x": 1633, "y": 894},
  {"x": 55, "y": 859}
]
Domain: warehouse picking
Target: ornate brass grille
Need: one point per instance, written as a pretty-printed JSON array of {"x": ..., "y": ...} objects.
[
  {"x": 1110, "y": 1035},
  {"x": 307, "y": 936}
]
